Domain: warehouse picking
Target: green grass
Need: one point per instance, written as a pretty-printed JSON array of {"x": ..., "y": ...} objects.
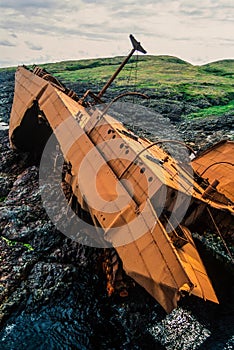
[
  {"x": 223, "y": 68},
  {"x": 8, "y": 69},
  {"x": 213, "y": 82},
  {"x": 11, "y": 243},
  {"x": 213, "y": 111},
  {"x": 162, "y": 76}
]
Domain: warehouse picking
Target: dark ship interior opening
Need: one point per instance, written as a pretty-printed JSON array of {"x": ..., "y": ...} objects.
[{"x": 33, "y": 132}]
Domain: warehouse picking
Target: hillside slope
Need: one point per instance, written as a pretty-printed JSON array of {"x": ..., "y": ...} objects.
[{"x": 176, "y": 88}]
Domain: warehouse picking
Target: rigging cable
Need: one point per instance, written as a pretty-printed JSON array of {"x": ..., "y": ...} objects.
[{"x": 220, "y": 234}]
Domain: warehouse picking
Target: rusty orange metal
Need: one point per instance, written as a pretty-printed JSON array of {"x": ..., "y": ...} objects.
[
  {"x": 217, "y": 164},
  {"x": 165, "y": 262}
]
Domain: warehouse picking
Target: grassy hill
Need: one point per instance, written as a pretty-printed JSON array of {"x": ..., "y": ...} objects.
[{"x": 173, "y": 84}]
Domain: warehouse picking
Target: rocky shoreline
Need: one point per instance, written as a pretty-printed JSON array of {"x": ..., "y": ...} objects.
[{"x": 48, "y": 278}]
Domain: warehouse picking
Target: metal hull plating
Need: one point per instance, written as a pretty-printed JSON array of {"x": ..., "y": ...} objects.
[{"x": 165, "y": 263}]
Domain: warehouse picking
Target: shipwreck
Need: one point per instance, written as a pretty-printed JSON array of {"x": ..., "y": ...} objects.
[{"x": 163, "y": 258}]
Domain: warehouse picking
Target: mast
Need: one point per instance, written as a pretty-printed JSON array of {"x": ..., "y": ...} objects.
[{"x": 136, "y": 47}]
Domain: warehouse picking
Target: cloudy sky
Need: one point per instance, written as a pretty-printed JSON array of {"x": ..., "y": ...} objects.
[{"x": 54, "y": 30}]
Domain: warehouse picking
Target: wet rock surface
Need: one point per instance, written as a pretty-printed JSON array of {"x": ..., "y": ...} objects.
[
  {"x": 6, "y": 96},
  {"x": 203, "y": 133},
  {"x": 52, "y": 294}
]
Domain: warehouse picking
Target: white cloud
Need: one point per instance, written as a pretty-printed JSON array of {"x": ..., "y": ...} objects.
[
  {"x": 6, "y": 43},
  {"x": 32, "y": 46},
  {"x": 56, "y": 30}
]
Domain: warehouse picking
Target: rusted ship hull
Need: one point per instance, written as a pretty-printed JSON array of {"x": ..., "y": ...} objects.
[{"x": 166, "y": 263}]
